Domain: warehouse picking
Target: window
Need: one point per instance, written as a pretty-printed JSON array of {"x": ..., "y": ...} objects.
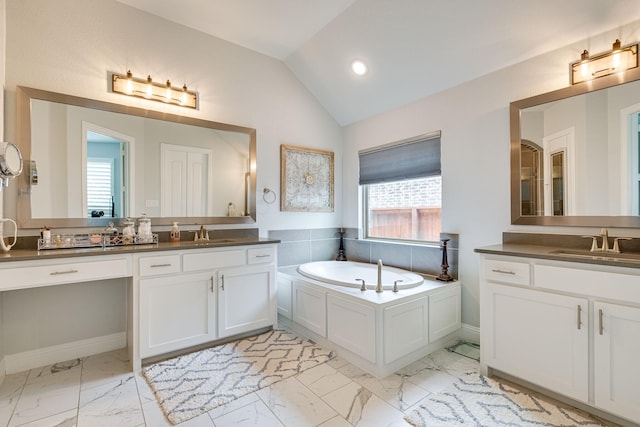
[
  {"x": 100, "y": 186},
  {"x": 401, "y": 188}
]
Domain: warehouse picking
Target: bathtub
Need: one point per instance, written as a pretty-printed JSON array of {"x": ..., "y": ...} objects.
[{"x": 345, "y": 273}]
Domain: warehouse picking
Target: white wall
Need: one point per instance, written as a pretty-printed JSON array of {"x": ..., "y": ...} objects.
[
  {"x": 70, "y": 46},
  {"x": 474, "y": 120}
]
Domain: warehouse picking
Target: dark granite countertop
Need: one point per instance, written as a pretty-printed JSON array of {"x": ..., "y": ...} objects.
[
  {"x": 34, "y": 254},
  {"x": 555, "y": 253}
]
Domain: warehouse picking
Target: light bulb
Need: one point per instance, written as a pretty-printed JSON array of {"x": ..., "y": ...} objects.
[
  {"x": 129, "y": 87},
  {"x": 149, "y": 87},
  {"x": 184, "y": 94},
  {"x": 168, "y": 91}
]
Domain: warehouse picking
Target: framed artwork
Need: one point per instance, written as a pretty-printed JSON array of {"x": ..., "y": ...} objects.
[{"x": 306, "y": 179}]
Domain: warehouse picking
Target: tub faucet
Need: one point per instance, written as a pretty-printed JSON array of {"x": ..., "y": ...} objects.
[{"x": 379, "y": 285}]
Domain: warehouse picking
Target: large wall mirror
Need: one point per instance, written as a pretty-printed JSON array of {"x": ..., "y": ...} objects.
[
  {"x": 575, "y": 157},
  {"x": 99, "y": 162}
]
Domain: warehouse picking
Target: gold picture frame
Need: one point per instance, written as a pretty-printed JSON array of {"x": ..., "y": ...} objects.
[{"x": 306, "y": 179}]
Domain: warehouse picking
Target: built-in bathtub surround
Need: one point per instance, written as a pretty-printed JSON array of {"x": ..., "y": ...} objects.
[{"x": 302, "y": 246}]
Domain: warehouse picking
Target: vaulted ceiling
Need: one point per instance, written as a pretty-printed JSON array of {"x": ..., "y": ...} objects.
[{"x": 414, "y": 48}]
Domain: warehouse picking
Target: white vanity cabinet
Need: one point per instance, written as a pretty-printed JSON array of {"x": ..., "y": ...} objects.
[
  {"x": 246, "y": 297},
  {"x": 571, "y": 328},
  {"x": 539, "y": 337},
  {"x": 176, "y": 311},
  {"x": 616, "y": 350},
  {"x": 191, "y": 297}
]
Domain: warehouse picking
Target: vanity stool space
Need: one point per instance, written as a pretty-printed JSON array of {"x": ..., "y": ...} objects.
[
  {"x": 177, "y": 295},
  {"x": 569, "y": 327}
]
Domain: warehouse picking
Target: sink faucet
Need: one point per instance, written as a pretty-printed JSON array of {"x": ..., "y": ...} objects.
[
  {"x": 379, "y": 285},
  {"x": 604, "y": 233}
]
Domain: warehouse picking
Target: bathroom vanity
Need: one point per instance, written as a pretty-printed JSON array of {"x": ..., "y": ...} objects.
[
  {"x": 565, "y": 321},
  {"x": 178, "y": 295}
]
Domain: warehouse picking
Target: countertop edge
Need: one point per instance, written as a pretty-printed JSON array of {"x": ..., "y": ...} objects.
[
  {"x": 33, "y": 254},
  {"x": 546, "y": 252}
]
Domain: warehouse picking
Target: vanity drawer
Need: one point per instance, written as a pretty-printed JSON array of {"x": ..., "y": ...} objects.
[
  {"x": 212, "y": 260},
  {"x": 506, "y": 271},
  {"x": 261, "y": 255},
  {"x": 63, "y": 272},
  {"x": 162, "y": 264}
]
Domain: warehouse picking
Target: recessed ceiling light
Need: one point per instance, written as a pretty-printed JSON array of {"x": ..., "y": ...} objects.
[{"x": 359, "y": 67}]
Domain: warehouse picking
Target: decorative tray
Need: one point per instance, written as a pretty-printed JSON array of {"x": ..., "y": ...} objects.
[{"x": 96, "y": 240}]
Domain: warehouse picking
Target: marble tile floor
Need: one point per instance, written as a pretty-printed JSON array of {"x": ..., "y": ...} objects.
[{"x": 101, "y": 390}]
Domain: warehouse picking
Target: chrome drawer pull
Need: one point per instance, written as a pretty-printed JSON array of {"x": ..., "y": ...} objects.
[
  {"x": 212, "y": 284},
  {"x": 57, "y": 273},
  {"x": 222, "y": 280},
  {"x": 497, "y": 270},
  {"x": 263, "y": 256},
  {"x": 161, "y": 265}
]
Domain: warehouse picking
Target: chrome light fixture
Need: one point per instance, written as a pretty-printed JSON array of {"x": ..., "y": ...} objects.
[
  {"x": 148, "y": 89},
  {"x": 619, "y": 59}
]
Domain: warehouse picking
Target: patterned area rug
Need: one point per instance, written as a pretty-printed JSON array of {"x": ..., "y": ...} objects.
[
  {"x": 193, "y": 384},
  {"x": 476, "y": 400}
]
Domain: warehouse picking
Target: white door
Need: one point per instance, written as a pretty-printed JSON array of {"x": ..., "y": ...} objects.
[
  {"x": 186, "y": 181},
  {"x": 540, "y": 337},
  {"x": 617, "y": 367},
  {"x": 559, "y": 172},
  {"x": 176, "y": 312},
  {"x": 246, "y": 299}
]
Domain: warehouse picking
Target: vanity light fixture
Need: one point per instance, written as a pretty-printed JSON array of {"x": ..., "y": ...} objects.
[
  {"x": 148, "y": 89},
  {"x": 619, "y": 59}
]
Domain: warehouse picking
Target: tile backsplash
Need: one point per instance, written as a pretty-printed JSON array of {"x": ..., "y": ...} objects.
[{"x": 300, "y": 246}]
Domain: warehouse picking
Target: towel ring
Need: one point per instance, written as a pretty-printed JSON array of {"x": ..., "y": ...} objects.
[{"x": 265, "y": 195}]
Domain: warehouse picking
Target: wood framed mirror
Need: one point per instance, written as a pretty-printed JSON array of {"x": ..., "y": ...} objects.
[
  {"x": 166, "y": 167},
  {"x": 596, "y": 179}
]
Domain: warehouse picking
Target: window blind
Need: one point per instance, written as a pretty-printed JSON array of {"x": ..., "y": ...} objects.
[
  {"x": 415, "y": 158},
  {"x": 99, "y": 185}
]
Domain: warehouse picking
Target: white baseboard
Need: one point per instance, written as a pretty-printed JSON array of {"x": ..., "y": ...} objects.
[
  {"x": 470, "y": 333},
  {"x": 20, "y": 362}
]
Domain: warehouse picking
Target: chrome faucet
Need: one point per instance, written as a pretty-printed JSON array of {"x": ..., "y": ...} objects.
[{"x": 379, "y": 285}]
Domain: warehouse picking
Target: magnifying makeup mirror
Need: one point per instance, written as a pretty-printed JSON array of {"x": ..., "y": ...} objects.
[{"x": 10, "y": 163}]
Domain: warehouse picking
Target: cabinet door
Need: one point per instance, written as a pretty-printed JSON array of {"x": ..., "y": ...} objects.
[
  {"x": 539, "y": 337},
  {"x": 616, "y": 350},
  {"x": 246, "y": 299},
  {"x": 406, "y": 328},
  {"x": 444, "y": 312},
  {"x": 310, "y": 307},
  {"x": 353, "y": 326},
  {"x": 176, "y": 312}
]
